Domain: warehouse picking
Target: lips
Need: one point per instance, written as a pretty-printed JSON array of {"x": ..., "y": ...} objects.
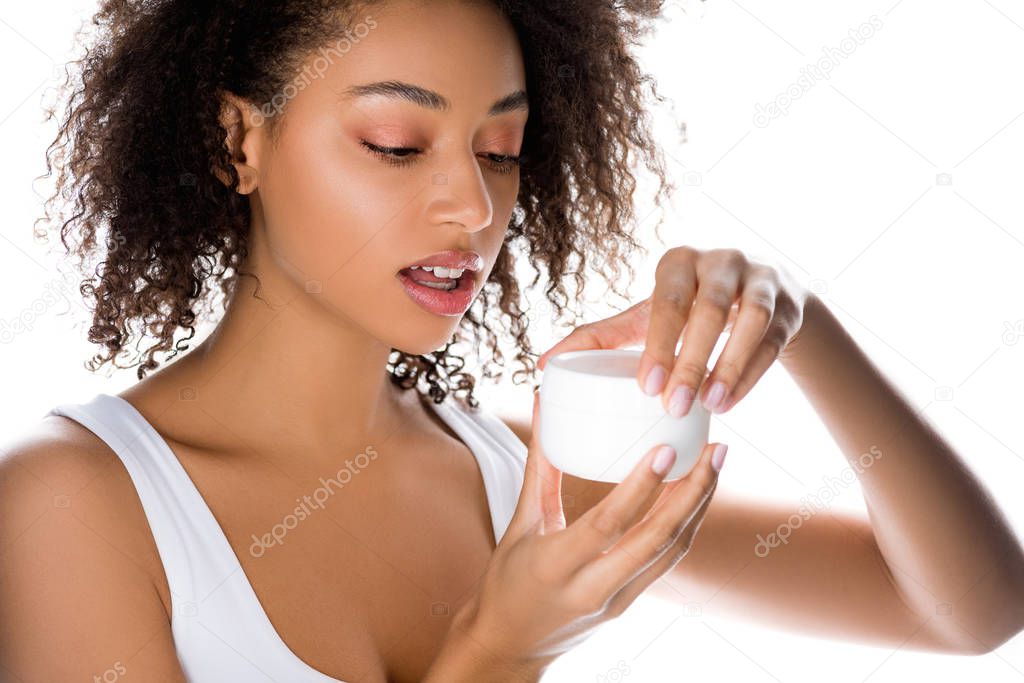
[{"x": 446, "y": 302}]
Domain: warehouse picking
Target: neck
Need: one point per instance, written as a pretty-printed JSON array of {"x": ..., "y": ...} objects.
[{"x": 288, "y": 372}]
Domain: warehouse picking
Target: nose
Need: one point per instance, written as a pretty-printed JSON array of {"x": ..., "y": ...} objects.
[{"x": 459, "y": 195}]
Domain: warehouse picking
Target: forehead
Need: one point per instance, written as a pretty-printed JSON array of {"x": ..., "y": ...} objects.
[{"x": 465, "y": 51}]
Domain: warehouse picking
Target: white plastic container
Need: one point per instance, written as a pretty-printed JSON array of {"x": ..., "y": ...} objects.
[{"x": 596, "y": 423}]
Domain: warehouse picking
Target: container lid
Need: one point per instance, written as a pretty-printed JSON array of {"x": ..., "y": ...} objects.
[{"x": 599, "y": 382}]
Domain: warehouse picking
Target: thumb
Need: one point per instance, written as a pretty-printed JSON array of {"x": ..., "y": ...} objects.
[
  {"x": 539, "y": 508},
  {"x": 622, "y": 329}
]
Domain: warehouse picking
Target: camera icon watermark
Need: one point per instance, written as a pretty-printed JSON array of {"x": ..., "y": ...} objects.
[
  {"x": 615, "y": 674},
  {"x": 187, "y": 608},
  {"x": 693, "y": 178}
]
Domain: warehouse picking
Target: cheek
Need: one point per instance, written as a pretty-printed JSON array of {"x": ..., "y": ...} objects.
[
  {"x": 336, "y": 215},
  {"x": 329, "y": 218}
]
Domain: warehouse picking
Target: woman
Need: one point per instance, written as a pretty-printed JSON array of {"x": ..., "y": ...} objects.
[{"x": 297, "y": 498}]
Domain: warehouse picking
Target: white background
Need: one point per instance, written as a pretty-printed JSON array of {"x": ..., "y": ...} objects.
[{"x": 891, "y": 187}]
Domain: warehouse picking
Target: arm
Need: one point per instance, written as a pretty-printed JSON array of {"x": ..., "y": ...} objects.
[
  {"x": 951, "y": 553},
  {"x": 828, "y": 580},
  {"x": 938, "y": 562},
  {"x": 76, "y": 600},
  {"x": 831, "y": 577}
]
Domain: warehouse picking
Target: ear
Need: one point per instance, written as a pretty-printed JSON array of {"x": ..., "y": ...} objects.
[{"x": 244, "y": 138}]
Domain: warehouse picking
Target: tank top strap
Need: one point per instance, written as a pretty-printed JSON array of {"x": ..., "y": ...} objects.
[
  {"x": 192, "y": 548},
  {"x": 500, "y": 455}
]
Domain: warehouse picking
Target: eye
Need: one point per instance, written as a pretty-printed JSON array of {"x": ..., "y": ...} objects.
[
  {"x": 396, "y": 156},
  {"x": 505, "y": 163},
  {"x": 403, "y": 156}
]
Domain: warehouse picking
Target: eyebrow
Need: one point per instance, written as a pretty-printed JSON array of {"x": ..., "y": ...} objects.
[{"x": 429, "y": 99}]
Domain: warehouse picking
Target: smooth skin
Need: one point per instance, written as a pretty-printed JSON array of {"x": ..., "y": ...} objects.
[{"x": 289, "y": 380}]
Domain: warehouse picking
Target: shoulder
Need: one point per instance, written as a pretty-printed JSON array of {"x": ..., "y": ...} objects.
[
  {"x": 54, "y": 457},
  {"x": 79, "y": 561},
  {"x": 64, "y": 493},
  {"x": 58, "y": 454}
]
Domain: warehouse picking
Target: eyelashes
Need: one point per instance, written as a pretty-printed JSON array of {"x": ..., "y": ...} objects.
[{"x": 403, "y": 156}]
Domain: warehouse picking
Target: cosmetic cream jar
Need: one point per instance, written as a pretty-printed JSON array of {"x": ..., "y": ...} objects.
[{"x": 596, "y": 423}]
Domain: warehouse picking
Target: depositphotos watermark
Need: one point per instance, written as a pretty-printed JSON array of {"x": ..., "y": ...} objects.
[
  {"x": 827, "y": 493},
  {"x": 112, "y": 674},
  {"x": 57, "y": 290},
  {"x": 310, "y": 72},
  {"x": 307, "y": 504},
  {"x": 1013, "y": 331},
  {"x": 816, "y": 71}
]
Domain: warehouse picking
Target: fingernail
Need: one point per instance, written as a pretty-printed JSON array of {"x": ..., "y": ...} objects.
[
  {"x": 655, "y": 381},
  {"x": 680, "y": 402},
  {"x": 718, "y": 457},
  {"x": 663, "y": 459},
  {"x": 716, "y": 397}
]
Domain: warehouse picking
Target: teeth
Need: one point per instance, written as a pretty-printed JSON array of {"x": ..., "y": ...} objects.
[
  {"x": 452, "y": 273},
  {"x": 441, "y": 271}
]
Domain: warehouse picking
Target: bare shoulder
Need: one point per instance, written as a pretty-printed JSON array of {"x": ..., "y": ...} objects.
[
  {"x": 58, "y": 465},
  {"x": 79, "y": 561}
]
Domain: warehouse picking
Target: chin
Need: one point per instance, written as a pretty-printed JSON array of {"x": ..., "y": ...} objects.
[{"x": 421, "y": 340}]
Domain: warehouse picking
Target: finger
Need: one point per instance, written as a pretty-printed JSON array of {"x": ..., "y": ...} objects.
[
  {"x": 670, "y": 303},
  {"x": 718, "y": 283},
  {"x": 767, "y": 351},
  {"x": 654, "y": 536},
  {"x": 757, "y": 306},
  {"x": 622, "y": 329},
  {"x": 662, "y": 565},
  {"x": 540, "y": 499},
  {"x": 605, "y": 522}
]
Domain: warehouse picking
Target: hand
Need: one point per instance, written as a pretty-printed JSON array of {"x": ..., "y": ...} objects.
[
  {"x": 702, "y": 293},
  {"x": 548, "y": 586}
]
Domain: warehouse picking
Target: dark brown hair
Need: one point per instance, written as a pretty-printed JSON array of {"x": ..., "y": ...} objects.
[{"x": 140, "y": 142}]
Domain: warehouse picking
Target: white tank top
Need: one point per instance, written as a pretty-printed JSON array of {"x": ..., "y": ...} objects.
[{"x": 220, "y": 630}]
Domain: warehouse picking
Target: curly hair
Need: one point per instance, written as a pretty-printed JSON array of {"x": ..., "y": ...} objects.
[{"x": 140, "y": 145}]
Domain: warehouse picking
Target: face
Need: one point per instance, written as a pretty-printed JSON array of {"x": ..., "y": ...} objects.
[{"x": 337, "y": 208}]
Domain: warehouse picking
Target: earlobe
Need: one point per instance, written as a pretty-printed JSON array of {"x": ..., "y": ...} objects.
[
  {"x": 238, "y": 119},
  {"x": 246, "y": 179}
]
